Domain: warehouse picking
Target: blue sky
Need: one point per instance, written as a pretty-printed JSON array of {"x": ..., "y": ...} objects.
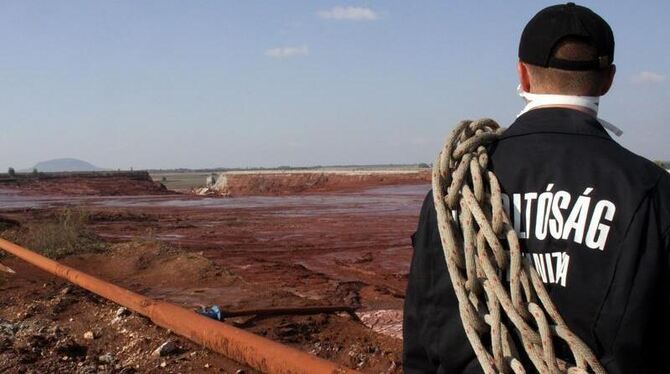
[{"x": 165, "y": 84}]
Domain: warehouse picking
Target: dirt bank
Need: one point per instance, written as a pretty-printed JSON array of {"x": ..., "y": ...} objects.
[
  {"x": 84, "y": 184},
  {"x": 49, "y": 326},
  {"x": 288, "y": 183}
]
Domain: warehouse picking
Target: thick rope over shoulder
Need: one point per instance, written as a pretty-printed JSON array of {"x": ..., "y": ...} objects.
[{"x": 481, "y": 248}]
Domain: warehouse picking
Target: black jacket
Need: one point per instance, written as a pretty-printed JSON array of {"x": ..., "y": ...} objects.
[{"x": 592, "y": 217}]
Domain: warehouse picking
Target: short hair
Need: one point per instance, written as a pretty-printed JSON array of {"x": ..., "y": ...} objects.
[{"x": 569, "y": 82}]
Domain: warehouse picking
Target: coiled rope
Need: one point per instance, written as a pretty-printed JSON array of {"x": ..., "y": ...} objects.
[{"x": 480, "y": 246}]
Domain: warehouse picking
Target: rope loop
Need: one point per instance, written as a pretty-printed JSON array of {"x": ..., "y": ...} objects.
[{"x": 482, "y": 250}]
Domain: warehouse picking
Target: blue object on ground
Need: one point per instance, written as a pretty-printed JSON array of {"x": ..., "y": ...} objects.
[{"x": 213, "y": 312}]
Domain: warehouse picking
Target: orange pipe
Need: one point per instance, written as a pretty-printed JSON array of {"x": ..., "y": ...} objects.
[{"x": 257, "y": 352}]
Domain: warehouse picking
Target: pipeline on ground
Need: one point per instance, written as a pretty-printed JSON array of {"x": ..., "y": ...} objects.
[{"x": 241, "y": 346}]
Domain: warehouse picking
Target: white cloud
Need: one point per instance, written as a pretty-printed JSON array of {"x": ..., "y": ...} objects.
[
  {"x": 648, "y": 77},
  {"x": 349, "y": 13},
  {"x": 285, "y": 52}
]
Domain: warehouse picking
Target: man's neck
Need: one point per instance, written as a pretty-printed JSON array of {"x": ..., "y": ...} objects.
[{"x": 585, "y": 104}]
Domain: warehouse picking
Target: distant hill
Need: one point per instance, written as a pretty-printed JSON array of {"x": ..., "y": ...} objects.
[{"x": 65, "y": 164}]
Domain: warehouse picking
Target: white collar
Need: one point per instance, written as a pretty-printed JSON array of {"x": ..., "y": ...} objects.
[{"x": 589, "y": 102}]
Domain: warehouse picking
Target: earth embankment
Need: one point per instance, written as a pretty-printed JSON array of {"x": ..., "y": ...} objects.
[
  {"x": 84, "y": 183},
  {"x": 288, "y": 183}
]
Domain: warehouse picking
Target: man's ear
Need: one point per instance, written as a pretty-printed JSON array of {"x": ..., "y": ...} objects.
[
  {"x": 609, "y": 79},
  {"x": 524, "y": 79}
]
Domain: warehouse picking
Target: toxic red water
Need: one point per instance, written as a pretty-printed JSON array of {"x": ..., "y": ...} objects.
[{"x": 307, "y": 244}]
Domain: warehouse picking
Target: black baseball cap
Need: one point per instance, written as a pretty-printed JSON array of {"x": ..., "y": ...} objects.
[{"x": 555, "y": 23}]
